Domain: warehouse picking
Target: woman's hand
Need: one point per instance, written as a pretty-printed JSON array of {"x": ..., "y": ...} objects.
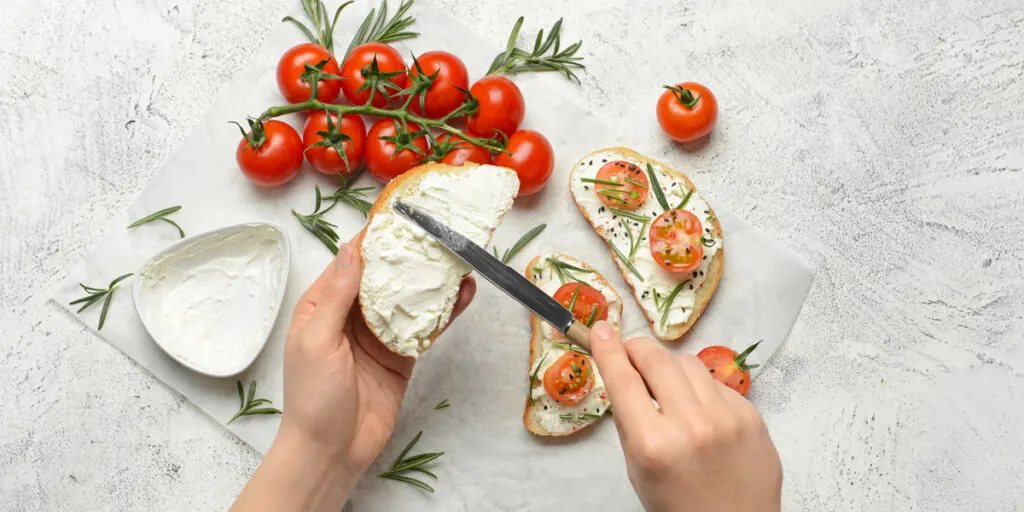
[
  {"x": 701, "y": 447},
  {"x": 342, "y": 393}
]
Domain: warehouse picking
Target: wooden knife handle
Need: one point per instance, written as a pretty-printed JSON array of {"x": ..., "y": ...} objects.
[{"x": 579, "y": 334}]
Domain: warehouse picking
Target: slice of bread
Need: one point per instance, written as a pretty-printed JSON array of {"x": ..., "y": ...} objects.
[
  {"x": 706, "y": 277},
  {"x": 410, "y": 282},
  {"x": 541, "y": 414}
]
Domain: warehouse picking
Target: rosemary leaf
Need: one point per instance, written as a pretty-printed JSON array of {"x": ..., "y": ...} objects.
[
  {"x": 579, "y": 417},
  {"x": 376, "y": 27},
  {"x": 443, "y": 404},
  {"x": 625, "y": 261},
  {"x": 533, "y": 376},
  {"x": 520, "y": 244},
  {"x": 686, "y": 199},
  {"x": 601, "y": 182},
  {"x": 635, "y": 182},
  {"x": 159, "y": 215},
  {"x": 575, "y": 295},
  {"x": 666, "y": 305},
  {"x": 570, "y": 347},
  {"x": 411, "y": 481},
  {"x": 658, "y": 193}
]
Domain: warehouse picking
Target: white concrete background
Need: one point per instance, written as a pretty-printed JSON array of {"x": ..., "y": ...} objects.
[{"x": 882, "y": 139}]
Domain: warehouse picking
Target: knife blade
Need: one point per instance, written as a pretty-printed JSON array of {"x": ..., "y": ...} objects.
[{"x": 500, "y": 275}]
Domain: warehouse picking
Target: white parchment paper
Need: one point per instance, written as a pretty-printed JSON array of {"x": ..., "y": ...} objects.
[{"x": 480, "y": 365}]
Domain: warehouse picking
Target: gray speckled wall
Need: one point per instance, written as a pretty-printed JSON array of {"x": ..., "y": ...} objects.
[{"x": 884, "y": 140}]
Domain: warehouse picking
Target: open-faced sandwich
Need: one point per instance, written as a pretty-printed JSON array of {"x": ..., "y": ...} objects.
[
  {"x": 566, "y": 391},
  {"x": 663, "y": 235},
  {"x": 409, "y": 281}
]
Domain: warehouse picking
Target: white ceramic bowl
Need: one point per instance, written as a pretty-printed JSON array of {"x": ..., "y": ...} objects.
[{"x": 210, "y": 301}]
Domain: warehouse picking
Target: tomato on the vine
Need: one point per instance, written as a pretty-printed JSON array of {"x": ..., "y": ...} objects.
[
  {"x": 674, "y": 240},
  {"x": 291, "y": 70},
  {"x": 444, "y": 95},
  {"x": 270, "y": 154},
  {"x": 389, "y": 77},
  {"x": 570, "y": 378},
  {"x": 630, "y": 189},
  {"x": 531, "y": 157},
  {"x": 587, "y": 304},
  {"x": 464, "y": 151},
  {"x": 728, "y": 367},
  {"x": 501, "y": 107},
  {"x": 324, "y": 134},
  {"x": 687, "y": 111},
  {"x": 389, "y": 151}
]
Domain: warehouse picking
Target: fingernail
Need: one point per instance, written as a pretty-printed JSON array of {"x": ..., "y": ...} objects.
[
  {"x": 602, "y": 331},
  {"x": 344, "y": 256}
]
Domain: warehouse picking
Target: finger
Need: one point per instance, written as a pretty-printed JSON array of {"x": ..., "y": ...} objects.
[
  {"x": 467, "y": 290},
  {"x": 373, "y": 348},
  {"x": 307, "y": 303},
  {"x": 703, "y": 384},
  {"x": 663, "y": 375},
  {"x": 629, "y": 397},
  {"x": 340, "y": 288}
]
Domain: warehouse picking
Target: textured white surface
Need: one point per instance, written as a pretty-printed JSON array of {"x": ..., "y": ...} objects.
[{"x": 846, "y": 126}]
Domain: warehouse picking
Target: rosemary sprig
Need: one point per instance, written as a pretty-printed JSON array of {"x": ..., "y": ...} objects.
[
  {"x": 376, "y": 27},
  {"x": 517, "y": 60},
  {"x": 579, "y": 417},
  {"x": 317, "y": 14},
  {"x": 523, "y": 241},
  {"x": 629, "y": 215},
  {"x": 322, "y": 229},
  {"x": 94, "y": 295},
  {"x": 666, "y": 305},
  {"x": 533, "y": 376},
  {"x": 249, "y": 405},
  {"x": 569, "y": 347},
  {"x": 414, "y": 463},
  {"x": 658, "y": 193},
  {"x": 625, "y": 261},
  {"x": 354, "y": 197},
  {"x": 162, "y": 216},
  {"x": 565, "y": 270},
  {"x": 443, "y": 404}
]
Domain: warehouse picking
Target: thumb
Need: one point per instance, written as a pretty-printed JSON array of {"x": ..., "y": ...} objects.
[{"x": 340, "y": 289}]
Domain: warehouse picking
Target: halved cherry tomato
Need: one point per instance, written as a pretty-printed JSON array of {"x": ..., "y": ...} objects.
[
  {"x": 465, "y": 152},
  {"x": 631, "y": 191},
  {"x": 384, "y": 159},
  {"x": 729, "y": 368},
  {"x": 501, "y": 108},
  {"x": 569, "y": 380},
  {"x": 443, "y": 95},
  {"x": 277, "y": 160},
  {"x": 362, "y": 57},
  {"x": 687, "y": 111},
  {"x": 589, "y": 303},
  {"x": 675, "y": 241},
  {"x": 321, "y": 143},
  {"x": 532, "y": 158},
  {"x": 292, "y": 67}
]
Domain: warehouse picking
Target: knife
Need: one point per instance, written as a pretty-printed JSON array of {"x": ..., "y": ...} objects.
[{"x": 500, "y": 275}]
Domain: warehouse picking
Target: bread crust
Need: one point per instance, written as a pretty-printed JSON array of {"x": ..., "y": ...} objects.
[
  {"x": 531, "y": 414},
  {"x": 714, "y": 270}
]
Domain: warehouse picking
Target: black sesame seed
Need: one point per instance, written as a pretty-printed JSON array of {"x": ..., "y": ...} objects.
[
  {"x": 591, "y": 162},
  {"x": 586, "y": 187},
  {"x": 705, "y": 257},
  {"x": 741, "y": 381},
  {"x": 687, "y": 250},
  {"x": 712, "y": 370},
  {"x": 706, "y": 230},
  {"x": 694, "y": 273},
  {"x": 600, "y": 210},
  {"x": 546, "y": 407},
  {"x": 691, "y": 286},
  {"x": 604, "y": 160}
]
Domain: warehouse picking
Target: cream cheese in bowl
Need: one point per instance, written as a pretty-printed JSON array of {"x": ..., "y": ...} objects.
[{"x": 210, "y": 301}]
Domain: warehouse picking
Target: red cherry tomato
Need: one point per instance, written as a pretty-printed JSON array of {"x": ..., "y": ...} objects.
[
  {"x": 326, "y": 159},
  {"x": 729, "y": 368},
  {"x": 532, "y": 158},
  {"x": 277, "y": 160},
  {"x": 588, "y": 304},
  {"x": 501, "y": 109},
  {"x": 569, "y": 380},
  {"x": 465, "y": 152},
  {"x": 292, "y": 67},
  {"x": 675, "y": 241},
  {"x": 631, "y": 191},
  {"x": 443, "y": 96},
  {"x": 383, "y": 162},
  {"x": 362, "y": 56},
  {"x": 687, "y": 111}
]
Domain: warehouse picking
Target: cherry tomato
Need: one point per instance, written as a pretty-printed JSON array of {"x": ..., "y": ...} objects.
[
  {"x": 292, "y": 67},
  {"x": 383, "y": 162},
  {"x": 326, "y": 159},
  {"x": 465, "y": 152},
  {"x": 388, "y": 61},
  {"x": 277, "y": 160},
  {"x": 501, "y": 109},
  {"x": 443, "y": 95},
  {"x": 632, "y": 188},
  {"x": 569, "y": 380},
  {"x": 729, "y": 368},
  {"x": 589, "y": 303},
  {"x": 675, "y": 241},
  {"x": 687, "y": 111},
  {"x": 532, "y": 158}
]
